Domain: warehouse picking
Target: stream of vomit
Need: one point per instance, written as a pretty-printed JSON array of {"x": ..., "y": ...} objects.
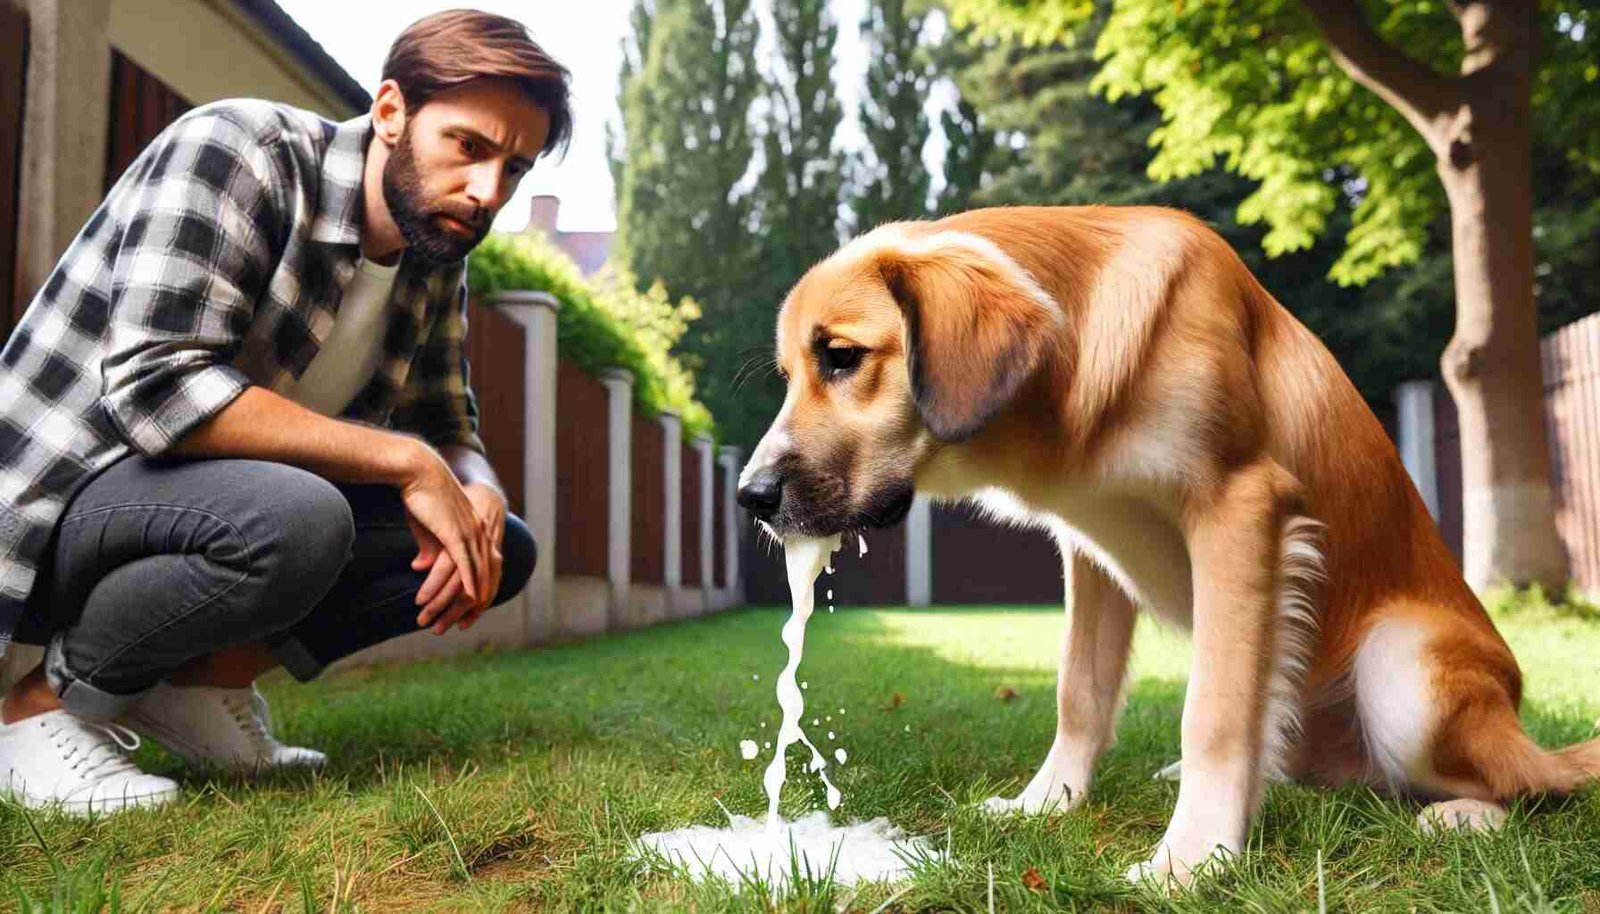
[
  {"x": 748, "y": 849},
  {"x": 805, "y": 557}
]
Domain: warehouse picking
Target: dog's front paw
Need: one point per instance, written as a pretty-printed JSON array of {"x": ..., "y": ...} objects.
[
  {"x": 1033, "y": 801},
  {"x": 1177, "y": 863}
]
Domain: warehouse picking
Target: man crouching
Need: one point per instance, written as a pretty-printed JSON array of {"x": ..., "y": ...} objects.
[{"x": 235, "y": 425}]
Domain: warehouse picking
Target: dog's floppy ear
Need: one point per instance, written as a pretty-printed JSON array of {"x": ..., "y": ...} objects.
[{"x": 977, "y": 325}]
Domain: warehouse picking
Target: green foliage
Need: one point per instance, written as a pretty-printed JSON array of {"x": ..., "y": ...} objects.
[
  {"x": 1072, "y": 146},
  {"x": 1028, "y": 22},
  {"x": 604, "y": 322},
  {"x": 894, "y": 182},
  {"x": 685, "y": 214},
  {"x": 688, "y": 81},
  {"x": 1257, "y": 91},
  {"x": 802, "y": 181},
  {"x": 1252, "y": 87},
  {"x": 1509, "y": 604},
  {"x": 970, "y": 147},
  {"x": 972, "y": 151}
]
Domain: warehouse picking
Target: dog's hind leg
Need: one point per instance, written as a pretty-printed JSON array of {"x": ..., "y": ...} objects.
[
  {"x": 1439, "y": 716},
  {"x": 1094, "y": 658}
]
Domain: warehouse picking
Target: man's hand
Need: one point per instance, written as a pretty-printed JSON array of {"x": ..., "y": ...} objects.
[
  {"x": 452, "y": 544},
  {"x": 443, "y": 597}
]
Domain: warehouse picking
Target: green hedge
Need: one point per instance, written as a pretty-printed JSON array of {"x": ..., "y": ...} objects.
[{"x": 604, "y": 322}]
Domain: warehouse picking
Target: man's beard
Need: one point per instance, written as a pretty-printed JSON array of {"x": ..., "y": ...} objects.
[{"x": 418, "y": 217}]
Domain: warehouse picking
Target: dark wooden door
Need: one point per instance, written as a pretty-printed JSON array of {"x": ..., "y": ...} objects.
[
  {"x": 13, "y": 81},
  {"x": 141, "y": 107}
]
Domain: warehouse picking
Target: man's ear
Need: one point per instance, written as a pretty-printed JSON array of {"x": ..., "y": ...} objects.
[
  {"x": 977, "y": 326},
  {"x": 389, "y": 112}
]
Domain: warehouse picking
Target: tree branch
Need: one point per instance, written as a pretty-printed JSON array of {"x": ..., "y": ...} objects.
[{"x": 1424, "y": 96}]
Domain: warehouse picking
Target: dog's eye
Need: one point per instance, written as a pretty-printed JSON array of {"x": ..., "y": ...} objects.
[{"x": 839, "y": 360}]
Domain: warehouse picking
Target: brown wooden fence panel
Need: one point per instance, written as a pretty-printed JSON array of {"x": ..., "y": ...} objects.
[
  {"x": 719, "y": 525},
  {"x": 141, "y": 107},
  {"x": 649, "y": 502},
  {"x": 1572, "y": 414},
  {"x": 13, "y": 81},
  {"x": 690, "y": 553},
  {"x": 495, "y": 368},
  {"x": 761, "y": 565},
  {"x": 879, "y": 577},
  {"x": 583, "y": 468},
  {"x": 976, "y": 560},
  {"x": 876, "y": 579}
]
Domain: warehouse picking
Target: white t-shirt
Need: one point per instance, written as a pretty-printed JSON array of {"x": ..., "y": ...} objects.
[{"x": 354, "y": 347}]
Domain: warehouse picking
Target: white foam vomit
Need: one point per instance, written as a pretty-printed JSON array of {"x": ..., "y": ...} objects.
[{"x": 809, "y": 847}]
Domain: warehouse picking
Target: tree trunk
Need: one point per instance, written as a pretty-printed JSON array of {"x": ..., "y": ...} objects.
[{"x": 1492, "y": 365}]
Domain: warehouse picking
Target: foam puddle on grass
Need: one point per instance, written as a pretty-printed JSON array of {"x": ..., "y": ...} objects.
[
  {"x": 810, "y": 846},
  {"x": 775, "y": 851}
]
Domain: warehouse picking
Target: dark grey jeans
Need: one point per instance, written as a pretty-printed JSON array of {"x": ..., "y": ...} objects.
[{"x": 158, "y": 561}]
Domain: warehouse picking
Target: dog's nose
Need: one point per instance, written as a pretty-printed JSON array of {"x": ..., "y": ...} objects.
[{"x": 762, "y": 494}]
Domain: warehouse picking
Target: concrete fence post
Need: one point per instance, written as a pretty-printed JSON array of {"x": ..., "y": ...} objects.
[
  {"x": 731, "y": 465},
  {"x": 708, "y": 536},
  {"x": 63, "y": 156},
  {"x": 919, "y": 553},
  {"x": 1413, "y": 402},
  {"x": 672, "y": 521},
  {"x": 64, "y": 131},
  {"x": 619, "y": 520},
  {"x": 536, "y": 312}
]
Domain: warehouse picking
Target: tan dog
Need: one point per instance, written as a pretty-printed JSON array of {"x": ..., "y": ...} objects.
[{"x": 1117, "y": 376}]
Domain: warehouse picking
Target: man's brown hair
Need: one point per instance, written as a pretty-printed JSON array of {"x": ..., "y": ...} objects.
[{"x": 455, "y": 47}]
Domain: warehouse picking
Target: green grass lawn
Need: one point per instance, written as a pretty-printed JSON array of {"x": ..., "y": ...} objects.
[{"x": 516, "y": 781}]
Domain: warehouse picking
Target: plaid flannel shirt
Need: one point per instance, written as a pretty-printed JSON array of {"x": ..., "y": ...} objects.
[{"x": 216, "y": 262}]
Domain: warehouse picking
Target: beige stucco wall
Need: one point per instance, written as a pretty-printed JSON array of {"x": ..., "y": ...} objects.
[{"x": 206, "y": 50}]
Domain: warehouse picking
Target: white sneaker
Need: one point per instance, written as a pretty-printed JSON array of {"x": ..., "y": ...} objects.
[
  {"x": 55, "y": 759},
  {"x": 218, "y": 728}
]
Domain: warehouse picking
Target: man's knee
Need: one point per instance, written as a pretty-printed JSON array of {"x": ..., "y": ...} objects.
[
  {"x": 519, "y": 553},
  {"x": 308, "y": 529}
]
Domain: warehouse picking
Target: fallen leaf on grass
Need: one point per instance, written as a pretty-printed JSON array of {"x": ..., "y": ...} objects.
[
  {"x": 1034, "y": 881},
  {"x": 895, "y": 701},
  {"x": 1005, "y": 693}
]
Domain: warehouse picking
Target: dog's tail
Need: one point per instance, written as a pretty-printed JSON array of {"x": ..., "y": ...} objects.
[
  {"x": 1512, "y": 764},
  {"x": 1302, "y": 575},
  {"x": 1582, "y": 761}
]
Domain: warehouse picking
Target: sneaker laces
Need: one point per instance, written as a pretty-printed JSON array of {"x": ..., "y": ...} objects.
[
  {"x": 95, "y": 750},
  {"x": 259, "y": 702},
  {"x": 249, "y": 711}
]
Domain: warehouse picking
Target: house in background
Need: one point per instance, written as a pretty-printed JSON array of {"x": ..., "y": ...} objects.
[
  {"x": 589, "y": 250},
  {"x": 85, "y": 84}
]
